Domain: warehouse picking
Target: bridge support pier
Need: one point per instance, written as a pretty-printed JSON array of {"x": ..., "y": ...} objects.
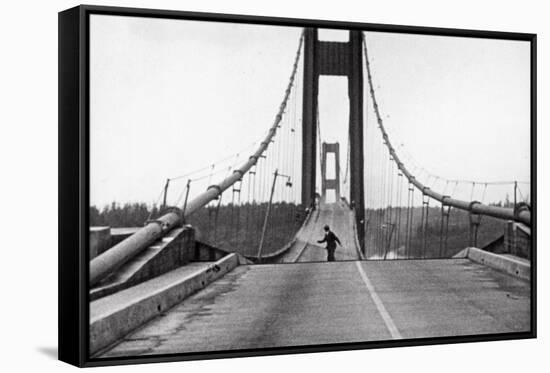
[
  {"x": 330, "y": 184},
  {"x": 342, "y": 59},
  {"x": 309, "y": 116}
]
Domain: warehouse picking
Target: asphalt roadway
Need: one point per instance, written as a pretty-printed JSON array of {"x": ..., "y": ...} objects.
[{"x": 299, "y": 304}]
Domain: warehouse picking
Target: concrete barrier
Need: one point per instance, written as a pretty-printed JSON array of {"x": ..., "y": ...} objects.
[
  {"x": 103, "y": 238},
  {"x": 100, "y": 240},
  {"x": 511, "y": 265},
  {"x": 114, "y": 316},
  {"x": 517, "y": 239},
  {"x": 164, "y": 255}
]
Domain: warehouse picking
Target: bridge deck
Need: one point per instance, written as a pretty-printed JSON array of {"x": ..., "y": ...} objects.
[
  {"x": 313, "y": 303},
  {"x": 341, "y": 220}
]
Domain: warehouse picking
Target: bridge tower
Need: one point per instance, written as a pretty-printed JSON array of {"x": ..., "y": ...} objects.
[
  {"x": 330, "y": 184},
  {"x": 342, "y": 59}
]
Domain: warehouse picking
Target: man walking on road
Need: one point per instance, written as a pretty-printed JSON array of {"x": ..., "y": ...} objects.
[{"x": 331, "y": 240}]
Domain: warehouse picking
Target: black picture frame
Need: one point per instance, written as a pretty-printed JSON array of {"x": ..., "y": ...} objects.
[{"x": 74, "y": 149}]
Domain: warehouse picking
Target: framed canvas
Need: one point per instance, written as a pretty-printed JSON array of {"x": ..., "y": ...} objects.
[{"x": 234, "y": 186}]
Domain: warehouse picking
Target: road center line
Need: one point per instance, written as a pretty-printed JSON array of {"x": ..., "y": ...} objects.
[{"x": 378, "y": 302}]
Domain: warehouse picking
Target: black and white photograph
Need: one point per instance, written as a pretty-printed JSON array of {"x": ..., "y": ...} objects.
[{"x": 269, "y": 186}]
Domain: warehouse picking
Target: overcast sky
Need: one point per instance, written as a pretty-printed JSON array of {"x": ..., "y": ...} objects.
[{"x": 170, "y": 96}]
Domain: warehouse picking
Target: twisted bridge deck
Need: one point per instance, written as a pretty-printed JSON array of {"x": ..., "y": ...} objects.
[{"x": 341, "y": 220}]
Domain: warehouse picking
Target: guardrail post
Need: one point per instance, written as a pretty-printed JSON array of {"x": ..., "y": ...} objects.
[
  {"x": 475, "y": 220},
  {"x": 444, "y": 226},
  {"x": 424, "y": 220}
]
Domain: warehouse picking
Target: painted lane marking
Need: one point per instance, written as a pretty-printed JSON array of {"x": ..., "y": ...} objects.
[{"x": 379, "y": 305}]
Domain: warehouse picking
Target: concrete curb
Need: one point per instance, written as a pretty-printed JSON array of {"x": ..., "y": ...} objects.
[
  {"x": 114, "y": 322},
  {"x": 506, "y": 264}
]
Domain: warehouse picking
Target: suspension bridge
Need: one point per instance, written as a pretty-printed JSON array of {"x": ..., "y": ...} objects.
[{"x": 205, "y": 271}]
